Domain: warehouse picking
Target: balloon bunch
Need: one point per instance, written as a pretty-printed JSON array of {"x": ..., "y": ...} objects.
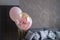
[{"x": 21, "y": 19}]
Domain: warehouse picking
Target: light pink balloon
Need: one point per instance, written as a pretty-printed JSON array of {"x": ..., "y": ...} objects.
[{"x": 14, "y": 13}]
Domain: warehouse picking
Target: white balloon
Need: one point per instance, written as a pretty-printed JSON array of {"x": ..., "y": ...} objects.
[{"x": 14, "y": 13}]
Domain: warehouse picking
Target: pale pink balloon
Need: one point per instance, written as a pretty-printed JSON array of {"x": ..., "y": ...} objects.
[{"x": 14, "y": 13}]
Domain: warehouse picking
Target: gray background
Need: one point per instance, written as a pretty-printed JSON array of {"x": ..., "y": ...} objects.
[{"x": 44, "y": 13}]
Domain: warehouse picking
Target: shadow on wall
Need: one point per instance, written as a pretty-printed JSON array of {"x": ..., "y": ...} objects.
[{"x": 43, "y": 12}]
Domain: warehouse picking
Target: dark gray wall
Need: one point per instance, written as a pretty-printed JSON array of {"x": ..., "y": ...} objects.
[{"x": 45, "y": 13}]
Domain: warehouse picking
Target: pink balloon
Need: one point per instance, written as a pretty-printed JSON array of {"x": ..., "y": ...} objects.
[
  {"x": 14, "y": 13},
  {"x": 24, "y": 24},
  {"x": 20, "y": 21}
]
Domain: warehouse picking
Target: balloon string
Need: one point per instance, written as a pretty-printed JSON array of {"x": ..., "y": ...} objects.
[{"x": 22, "y": 34}]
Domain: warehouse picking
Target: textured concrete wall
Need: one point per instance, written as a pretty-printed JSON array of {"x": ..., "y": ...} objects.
[
  {"x": 43, "y": 12},
  {"x": 58, "y": 13}
]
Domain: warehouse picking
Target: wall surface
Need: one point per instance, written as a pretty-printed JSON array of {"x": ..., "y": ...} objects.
[{"x": 45, "y": 13}]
